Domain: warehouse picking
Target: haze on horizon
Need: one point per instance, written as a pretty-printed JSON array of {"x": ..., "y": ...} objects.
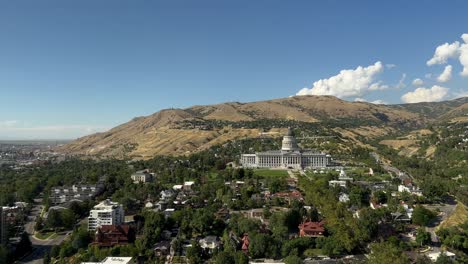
[{"x": 69, "y": 69}]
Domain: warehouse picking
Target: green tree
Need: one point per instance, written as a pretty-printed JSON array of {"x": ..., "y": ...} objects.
[
  {"x": 194, "y": 254},
  {"x": 240, "y": 258},
  {"x": 67, "y": 218},
  {"x": 54, "y": 220},
  {"x": 423, "y": 237},
  {"x": 4, "y": 256},
  {"x": 386, "y": 253},
  {"x": 259, "y": 244},
  {"x": 293, "y": 259},
  {"x": 422, "y": 216},
  {"x": 224, "y": 258}
]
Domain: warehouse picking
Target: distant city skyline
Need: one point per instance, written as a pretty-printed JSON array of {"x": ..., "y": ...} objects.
[{"x": 68, "y": 69}]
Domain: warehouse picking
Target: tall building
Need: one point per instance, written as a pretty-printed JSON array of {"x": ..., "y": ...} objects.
[
  {"x": 3, "y": 235},
  {"x": 289, "y": 156},
  {"x": 105, "y": 213}
]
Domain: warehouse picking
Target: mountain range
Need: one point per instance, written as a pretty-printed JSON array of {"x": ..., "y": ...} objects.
[{"x": 184, "y": 131}]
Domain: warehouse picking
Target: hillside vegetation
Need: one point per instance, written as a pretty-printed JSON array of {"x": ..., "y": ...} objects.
[{"x": 185, "y": 131}]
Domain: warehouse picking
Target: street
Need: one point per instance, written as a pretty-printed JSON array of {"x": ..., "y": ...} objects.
[{"x": 39, "y": 246}]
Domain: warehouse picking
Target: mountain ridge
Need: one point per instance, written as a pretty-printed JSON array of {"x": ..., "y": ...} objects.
[{"x": 183, "y": 131}]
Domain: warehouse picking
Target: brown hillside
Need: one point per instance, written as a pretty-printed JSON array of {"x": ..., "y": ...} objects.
[{"x": 162, "y": 133}]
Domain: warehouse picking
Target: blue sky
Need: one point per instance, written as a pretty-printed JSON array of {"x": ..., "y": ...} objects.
[{"x": 70, "y": 68}]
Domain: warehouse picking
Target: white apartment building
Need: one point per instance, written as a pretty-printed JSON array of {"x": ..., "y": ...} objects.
[
  {"x": 105, "y": 213},
  {"x": 142, "y": 176}
]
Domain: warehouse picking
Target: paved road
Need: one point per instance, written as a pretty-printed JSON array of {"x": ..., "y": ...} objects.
[
  {"x": 445, "y": 211},
  {"x": 39, "y": 246}
]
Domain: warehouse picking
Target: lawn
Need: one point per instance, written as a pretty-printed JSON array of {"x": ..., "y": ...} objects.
[
  {"x": 270, "y": 173},
  {"x": 44, "y": 236}
]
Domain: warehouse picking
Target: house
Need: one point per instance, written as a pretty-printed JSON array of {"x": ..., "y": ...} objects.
[
  {"x": 160, "y": 206},
  {"x": 344, "y": 198},
  {"x": 344, "y": 177},
  {"x": 167, "y": 194},
  {"x": 335, "y": 183},
  {"x": 162, "y": 248},
  {"x": 289, "y": 196},
  {"x": 210, "y": 243},
  {"x": 142, "y": 176},
  {"x": 404, "y": 215},
  {"x": 188, "y": 185},
  {"x": 177, "y": 187},
  {"x": 168, "y": 212},
  {"x": 245, "y": 243},
  {"x": 113, "y": 235},
  {"x": 312, "y": 229},
  {"x": 222, "y": 214},
  {"x": 410, "y": 188},
  {"x": 258, "y": 213}
]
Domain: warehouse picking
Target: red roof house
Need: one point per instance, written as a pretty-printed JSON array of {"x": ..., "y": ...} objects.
[
  {"x": 112, "y": 235},
  {"x": 312, "y": 229}
]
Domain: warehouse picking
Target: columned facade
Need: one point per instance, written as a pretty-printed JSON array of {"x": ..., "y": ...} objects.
[{"x": 290, "y": 156}]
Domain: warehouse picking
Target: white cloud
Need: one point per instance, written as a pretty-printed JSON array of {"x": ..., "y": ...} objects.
[
  {"x": 445, "y": 52},
  {"x": 357, "y": 99},
  {"x": 401, "y": 83},
  {"x": 464, "y": 55},
  {"x": 390, "y": 66},
  {"x": 446, "y": 75},
  {"x": 348, "y": 83},
  {"x": 455, "y": 50},
  {"x": 13, "y": 129},
  {"x": 435, "y": 93},
  {"x": 417, "y": 82},
  {"x": 379, "y": 102}
]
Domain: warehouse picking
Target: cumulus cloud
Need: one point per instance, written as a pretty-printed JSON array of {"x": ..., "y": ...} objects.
[
  {"x": 445, "y": 52},
  {"x": 435, "y": 93},
  {"x": 348, "y": 83},
  {"x": 417, "y": 82},
  {"x": 454, "y": 50},
  {"x": 446, "y": 75},
  {"x": 464, "y": 55},
  {"x": 390, "y": 66}
]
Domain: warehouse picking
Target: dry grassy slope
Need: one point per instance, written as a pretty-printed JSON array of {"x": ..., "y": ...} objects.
[
  {"x": 458, "y": 113},
  {"x": 156, "y": 134}
]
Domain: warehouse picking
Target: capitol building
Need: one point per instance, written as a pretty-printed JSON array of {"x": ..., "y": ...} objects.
[{"x": 289, "y": 156}]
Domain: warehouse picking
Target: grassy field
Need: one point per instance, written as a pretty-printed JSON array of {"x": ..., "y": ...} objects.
[
  {"x": 271, "y": 173},
  {"x": 459, "y": 216},
  {"x": 47, "y": 235}
]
